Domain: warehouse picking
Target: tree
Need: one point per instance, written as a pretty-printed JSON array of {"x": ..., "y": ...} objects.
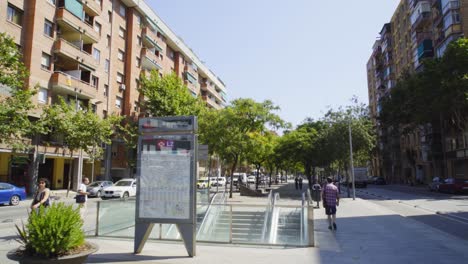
[
  {"x": 16, "y": 126},
  {"x": 260, "y": 148},
  {"x": 80, "y": 129},
  {"x": 227, "y": 132},
  {"x": 15, "y": 104},
  {"x": 168, "y": 96}
]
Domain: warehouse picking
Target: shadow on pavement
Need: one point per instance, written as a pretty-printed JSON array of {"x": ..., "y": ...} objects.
[{"x": 126, "y": 257}]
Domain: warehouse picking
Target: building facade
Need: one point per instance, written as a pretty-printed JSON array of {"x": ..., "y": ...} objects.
[
  {"x": 418, "y": 30},
  {"x": 93, "y": 52}
]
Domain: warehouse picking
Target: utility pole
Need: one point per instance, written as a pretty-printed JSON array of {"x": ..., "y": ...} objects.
[{"x": 351, "y": 159}]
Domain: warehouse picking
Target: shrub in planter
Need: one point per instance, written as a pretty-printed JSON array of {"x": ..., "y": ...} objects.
[{"x": 53, "y": 232}]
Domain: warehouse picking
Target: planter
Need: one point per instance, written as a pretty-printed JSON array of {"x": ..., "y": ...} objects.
[{"x": 78, "y": 258}]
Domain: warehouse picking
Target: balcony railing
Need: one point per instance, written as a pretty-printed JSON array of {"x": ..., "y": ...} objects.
[
  {"x": 149, "y": 39},
  {"x": 66, "y": 19},
  {"x": 75, "y": 53},
  {"x": 91, "y": 7},
  {"x": 149, "y": 60},
  {"x": 71, "y": 85}
]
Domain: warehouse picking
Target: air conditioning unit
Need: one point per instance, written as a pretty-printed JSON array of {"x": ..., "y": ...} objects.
[{"x": 122, "y": 86}]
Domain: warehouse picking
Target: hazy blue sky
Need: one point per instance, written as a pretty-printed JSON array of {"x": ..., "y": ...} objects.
[{"x": 304, "y": 55}]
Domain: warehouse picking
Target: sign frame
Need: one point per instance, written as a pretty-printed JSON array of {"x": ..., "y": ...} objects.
[{"x": 158, "y": 128}]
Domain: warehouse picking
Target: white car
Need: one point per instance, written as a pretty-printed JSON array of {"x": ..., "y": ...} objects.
[
  {"x": 121, "y": 189},
  {"x": 251, "y": 179},
  {"x": 220, "y": 181}
]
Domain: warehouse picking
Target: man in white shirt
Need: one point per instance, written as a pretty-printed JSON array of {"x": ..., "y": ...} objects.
[{"x": 82, "y": 191}]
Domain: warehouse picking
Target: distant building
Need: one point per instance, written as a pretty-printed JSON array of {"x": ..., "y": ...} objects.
[{"x": 417, "y": 30}]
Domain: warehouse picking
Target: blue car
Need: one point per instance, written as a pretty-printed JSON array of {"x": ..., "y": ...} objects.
[{"x": 10, "y": 194}]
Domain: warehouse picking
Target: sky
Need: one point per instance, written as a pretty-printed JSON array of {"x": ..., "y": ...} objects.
[{"x": 304, "y": 55}]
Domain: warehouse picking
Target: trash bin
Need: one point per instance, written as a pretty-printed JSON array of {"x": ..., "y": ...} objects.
[{"x": 316, "y": 195}]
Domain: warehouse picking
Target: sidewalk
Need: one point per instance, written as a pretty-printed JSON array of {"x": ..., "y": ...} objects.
[{"x": 367, "y": 233}]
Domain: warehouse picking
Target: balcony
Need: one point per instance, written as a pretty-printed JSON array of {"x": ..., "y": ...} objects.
[
  {"x": 91, "y": 7},
  {"x": 149, "y": 39},
  {"x": 425, "y": 49},
  {"x": 211, "y": 102},
  {"x": 68, "y": 84},
  {"x": 69, "y": 22},
  {"x": 421, "y": 15},
  {"x": 74, "y": 52},
  {"x": 149, "y": 60},
  {"x": 190, "y": 77},
  {"x": 452, "y": 5}
]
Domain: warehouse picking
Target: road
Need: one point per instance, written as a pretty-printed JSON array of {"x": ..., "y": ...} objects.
[{"x": 445, "y": 212}]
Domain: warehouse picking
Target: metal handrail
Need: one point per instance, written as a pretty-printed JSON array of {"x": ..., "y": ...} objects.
[
  {"x": 267, "y": 215},
  {"x": 274, "y": 219},
  {"x": 208, "y": 211}
]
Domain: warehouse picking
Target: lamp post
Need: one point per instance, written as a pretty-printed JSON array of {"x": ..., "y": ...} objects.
[{"x": 351, "y": 159}]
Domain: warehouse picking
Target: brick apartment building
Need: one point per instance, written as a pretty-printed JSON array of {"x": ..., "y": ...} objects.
[
  {"x": 418, "y": 29},
  {"x": 94, "y": 51}
]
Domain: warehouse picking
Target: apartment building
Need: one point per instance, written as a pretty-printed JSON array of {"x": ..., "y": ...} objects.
[
  {"x": 93, "y": 52},
  {"x": 418, "y": 30}
]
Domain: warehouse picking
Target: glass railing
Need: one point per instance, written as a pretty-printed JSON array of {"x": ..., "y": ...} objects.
[{"x": 270, "y": 224}]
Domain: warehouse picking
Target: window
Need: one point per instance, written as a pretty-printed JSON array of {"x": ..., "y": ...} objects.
[
  {"x": 51, "y": 1},
  {"x": 138, "y": 62},
  {"x": 108, "y": 41},
  {"x": 106, "y": 90},
  {"x": 170, "y": 54},
  {"x": 104, "y": 113},
  {"x": 96, "y": 54},
  {"x": 106, "y": 65},
  {"x": 14, "y": 14},
  {"x": 120, "y": 55},
  {"x": 42, "y": 95},
  {"x": 97, "y": 27},
  {"x": 121, "y": 32},
  {"x": 120, "y": 77},
  {"x": 139, "y": 40},
  {"x": 138, "y": 19},
  {"x": 48, "y": 28},
  {"x": 45, "y": 61},
  {"x": 93, "y": 108},
  {"x": 122, "y": 10},
  {"x": 109, "y": 13},
  {"x": 118, "y": 102},
  {"x": 95, "y": 82}
]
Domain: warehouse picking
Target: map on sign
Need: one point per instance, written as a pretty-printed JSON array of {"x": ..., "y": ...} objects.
[{"x": 165, "y": 177}]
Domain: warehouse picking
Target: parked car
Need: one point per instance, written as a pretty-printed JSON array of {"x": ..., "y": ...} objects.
[
  {"x": 380, "y": 181},
  {"x": 251, "y": 179},
  {"x": 372, "y": 179},
  {"x": 452, "y": 185},
  {"x": 203, "y": 183},
  {"x": 10, "y": 194},
  {"x": 220, "y": 181},
  {"x": 121, "y": 189},
  {"x": 434, "y": 185},
  {"x": 96, "y": 188}
]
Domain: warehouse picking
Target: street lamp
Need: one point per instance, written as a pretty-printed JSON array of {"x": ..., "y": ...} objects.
[{"x": 351, "y": 159}]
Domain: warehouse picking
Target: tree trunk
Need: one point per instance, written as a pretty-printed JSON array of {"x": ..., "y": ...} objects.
[
  {"x": 257, "y": 177},
  {"x": 233, "y": 169},
  {"x": 70, "y": 170}
]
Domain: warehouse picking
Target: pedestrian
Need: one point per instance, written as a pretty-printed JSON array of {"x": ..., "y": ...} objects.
[
  {"x": 300, "y": 183},
  {"x": 296, "y": 182},
  {"x": 41, "y": 197},
  {"x": 331, "y": 200},
  {"x": 82, "y": 197}
]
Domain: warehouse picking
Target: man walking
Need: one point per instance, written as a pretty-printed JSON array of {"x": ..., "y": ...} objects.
[{"x": 331, "y": 200}]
